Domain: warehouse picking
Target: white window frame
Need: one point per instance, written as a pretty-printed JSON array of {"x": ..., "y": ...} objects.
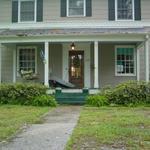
[
  {"x": 19, "y": 11},
  {"x": 21, "y": 47},
  {"x": 135, "y": 63},
  {"x": 84, "y": 10},
  {"x": 133, "y": 12}
]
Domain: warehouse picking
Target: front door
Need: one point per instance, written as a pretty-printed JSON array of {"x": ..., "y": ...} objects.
[{"x": 76, "y": 68}]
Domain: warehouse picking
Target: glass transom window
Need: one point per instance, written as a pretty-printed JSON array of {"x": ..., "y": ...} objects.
[
  {"x": 124, "y": 10},
  {"x": 125, "y": 61},
  {"x": 76, "y": 7},
  {"x": 27, "y": 59},
  {"x": 27, "y": 10}
]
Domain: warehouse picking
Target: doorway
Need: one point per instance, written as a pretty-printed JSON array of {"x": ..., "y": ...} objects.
[{"x": 76, "y": 68}]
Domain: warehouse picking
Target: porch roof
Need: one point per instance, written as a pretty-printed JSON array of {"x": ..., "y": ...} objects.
[{"x": 72, "y": 31}]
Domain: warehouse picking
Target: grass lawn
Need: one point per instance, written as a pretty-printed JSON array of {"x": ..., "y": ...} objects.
[
  {"x": 112, "y": 128},
  {"x": 13, "y": 117}
]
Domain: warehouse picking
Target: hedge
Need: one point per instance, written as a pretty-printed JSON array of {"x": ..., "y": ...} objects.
[
  {"x": 127, "y": 93},
  {"x": 24, "y": 94}
]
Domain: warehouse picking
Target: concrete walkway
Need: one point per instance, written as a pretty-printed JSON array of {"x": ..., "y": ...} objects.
[{"x": 53, "y": 134}]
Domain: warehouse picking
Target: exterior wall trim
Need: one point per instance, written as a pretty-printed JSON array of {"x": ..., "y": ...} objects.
[{"x": 81, "y": 38}]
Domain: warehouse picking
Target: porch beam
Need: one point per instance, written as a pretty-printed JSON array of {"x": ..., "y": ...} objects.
[
  {"x": 0, "y": 63},
  {"x": 46, "y": 65},
  {"x": 147, "y": 59},
  {"x": 67, "y": 38},
  {"x": 96, "y": 79}
]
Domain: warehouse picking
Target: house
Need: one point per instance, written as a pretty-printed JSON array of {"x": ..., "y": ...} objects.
[{"x": 90, "y": 43}]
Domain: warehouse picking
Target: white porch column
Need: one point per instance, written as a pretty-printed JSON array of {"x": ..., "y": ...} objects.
[
  {"x": 14, "y": 65},
  {"x": 96, "y": 79},
  {"x": 147, "y": 59},
  {"x": 0, "y": 63},
  {"x": 46, "y": 65},
  {"x": 138, "y": 64}
]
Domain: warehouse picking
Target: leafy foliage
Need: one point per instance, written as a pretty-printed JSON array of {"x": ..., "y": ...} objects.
[
  {"x": 23, "y": 94},
  {"x": 131, "y": 92},
  {"x": 44, "y": 100},
  {"x": 97, "y": 100},
  {"x": 127, "y": 93}
]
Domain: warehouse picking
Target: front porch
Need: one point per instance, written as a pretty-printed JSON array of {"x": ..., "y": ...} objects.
[{"x": 99, "y": 66}]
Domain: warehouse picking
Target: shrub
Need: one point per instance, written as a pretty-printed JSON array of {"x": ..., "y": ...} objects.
[
  {"x": 23, "y": 94},
  {"x": 44, "y": 100},
  {"x": 97, "y": 100},
  {"x": 127, "y": 93}
]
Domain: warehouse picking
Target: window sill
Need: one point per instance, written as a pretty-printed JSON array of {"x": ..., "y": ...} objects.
[
  {"x": 132, "y": 20},
  {"x": 22, "y": 22},
  {"x": 125, "y": 75},
  {"x": 81, "y": 16}
]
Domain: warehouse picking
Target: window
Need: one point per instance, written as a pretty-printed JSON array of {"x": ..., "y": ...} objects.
[
  {"x": 75, "y": 7},
  {"x": 27, "y": 10},
  {"x": 124, "y": 9},
  {"x": 27, "y": 59},
  {"x": 125, "y": 60}
]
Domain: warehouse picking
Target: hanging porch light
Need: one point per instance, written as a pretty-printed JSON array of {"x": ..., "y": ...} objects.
[{"x": 72, "y": 46}]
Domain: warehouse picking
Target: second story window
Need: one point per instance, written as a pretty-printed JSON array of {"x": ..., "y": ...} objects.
[
  {"x": 124, "y": 9},
  {"x": 76, "y": 7},
  {"x": 27, "y": 10}
]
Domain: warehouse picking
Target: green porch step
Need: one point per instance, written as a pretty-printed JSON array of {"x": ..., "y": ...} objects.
[{"x": 71, "y": 98}]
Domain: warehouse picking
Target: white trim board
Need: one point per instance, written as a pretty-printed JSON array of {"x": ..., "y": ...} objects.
[
  {"x": 76, "y": 24},
  {"x": 69, "y": 38}
]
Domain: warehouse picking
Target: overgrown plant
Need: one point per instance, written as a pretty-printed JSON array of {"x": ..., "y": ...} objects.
[
  {"x": 97, "y": 100},
  {"x": 24, "y": 94},
  {"x": 127, "y": 93}
]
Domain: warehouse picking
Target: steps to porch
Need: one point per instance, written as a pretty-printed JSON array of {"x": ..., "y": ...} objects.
[{"x": 71, "y": 96}]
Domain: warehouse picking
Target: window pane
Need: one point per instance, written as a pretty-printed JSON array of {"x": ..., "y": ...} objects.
[
  {"x": 76, "y": 7},
  {"x": 124, "y": 9},
  {"x": 125, "y": 60},
  {"x": 27, "y": 59},
  {"x": 27, "y": 11}
]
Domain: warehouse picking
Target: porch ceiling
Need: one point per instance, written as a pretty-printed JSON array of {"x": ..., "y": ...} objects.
[{"x": 72, "y": 31}]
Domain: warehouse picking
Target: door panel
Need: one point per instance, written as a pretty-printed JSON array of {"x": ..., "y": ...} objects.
[{"x": 76, "y": 68}]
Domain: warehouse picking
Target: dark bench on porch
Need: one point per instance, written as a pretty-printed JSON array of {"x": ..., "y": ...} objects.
[{"x": 71, "y": 97}]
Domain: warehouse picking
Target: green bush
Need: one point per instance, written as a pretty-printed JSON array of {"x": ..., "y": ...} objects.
[
  {"x": 44, "y": 100},
  {"x": 20, "y": 93},
  {"x": 128, "y": 93},
  {"x": 97, "y": 100}
]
